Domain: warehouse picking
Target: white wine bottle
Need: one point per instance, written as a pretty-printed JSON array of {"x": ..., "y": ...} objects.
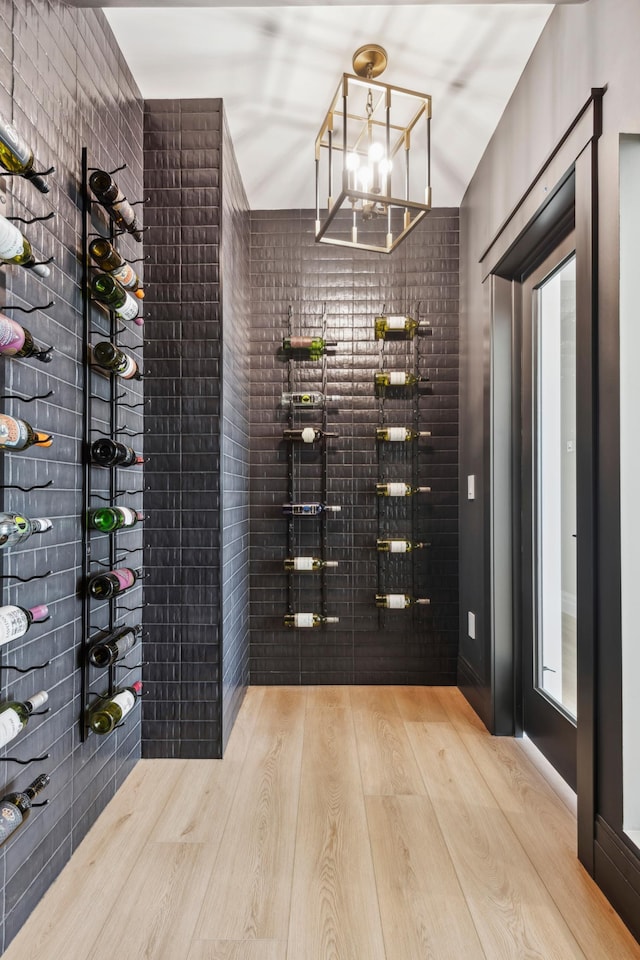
[
  {"x": 399, "y": 489},
  {"x": 14, "y": 715},
  {"x": 110, "y": 519},
  {"x": 108, "y": 713},
  {"x": 308, "y": 620},
  {"x": 18, "y": 434},
  {"x": 310, "y": 399},
  {"x": 109, "y": 260},
  {"x": 307, "y": 434},
  {"x": 400, "y": 434},
  {"x": 395, "y": 326},
  {"x": 14, "y": 248},
  {"x": 113, "y": 295},
  {"x": 15, "y": 529},
  {"x": 17, "y": 156},
  {"x": 308, "y": 564},
  {"x": 109, "y": 357},
  {"x": 15, "y": 621},
  {"x": 398, "y": 545},
  {"x": 307, "y": 509},
  {"x": 15, "y": 807},
  {"x": 398, "y": 601},
  {"x": 397, "y": 378}
]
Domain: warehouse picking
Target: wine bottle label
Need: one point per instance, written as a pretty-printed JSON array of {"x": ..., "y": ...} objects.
[
  {"x": 125, "y": 577},
  {"x": 13, "y": 433},
  {"x": 300, "y": 343},
  {"x": 125, "y": 700},
  {"x": 308, "y": 435},
  {"x": 395, "y": 323},
  {"x": 303, "y": 619},
  {"x": 397, "y": 489},
  {"x": 398, "y": 546},
  {"x": 303, "y": 563},
  {"x": 129, "y": 516},
  {"x": 13, "y": 623},
  {"x": 397, "y": 378},
  {"x": 38, "y": 699},
  {"x": 396, "y": 433},
  {"x": 10, "y": 819},
  {"x": 396, "y": 601},
  {"x": 130, "y": 368},
  {"x": 10, "y": 725},
  {"x": 11, "y": 241},
  {"x": 11, "y": 336},
  {"x": 129, "y": 309},
  {"x": 11, "y": 139},
  {"x": 125, "y": 275}
]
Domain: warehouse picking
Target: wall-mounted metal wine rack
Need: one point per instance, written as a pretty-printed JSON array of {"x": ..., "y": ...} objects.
[{"x": 105, "y": 395}]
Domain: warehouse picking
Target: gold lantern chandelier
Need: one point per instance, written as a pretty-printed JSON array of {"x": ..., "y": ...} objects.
[{"x": 373, "y": 159}]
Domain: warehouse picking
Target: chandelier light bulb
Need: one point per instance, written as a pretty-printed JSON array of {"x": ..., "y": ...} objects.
[
  {"x": 376, "y": 152},
  {"x": 386, "y": 166}
]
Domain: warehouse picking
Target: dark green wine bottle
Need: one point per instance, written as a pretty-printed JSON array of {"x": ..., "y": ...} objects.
[
  {"x": 114, "y": 201},
  {"x": 108, "y": 519},
  {"x": 108, "y": 291}
]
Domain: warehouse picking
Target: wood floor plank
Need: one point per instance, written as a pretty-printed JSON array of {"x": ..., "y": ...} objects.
[
  {"x": 387, "y": 763},
  {"x": 197, "y": 808},
  {"x": 420, "y": 704},
  {"x": 334, "y": 906},
  {"x": 250, "y": 889},
  {"x": 547, "y": 831},
  {"x": 418, "y": 887},
  {"x": 238, "y": 950},
  {"x": 513, "y": 912},
  {"x": 165, "y": 888},
  {"x": 58, "y": 926}
]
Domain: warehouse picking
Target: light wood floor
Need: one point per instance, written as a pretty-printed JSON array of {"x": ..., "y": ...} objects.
[{"x": 345, "y": 823}]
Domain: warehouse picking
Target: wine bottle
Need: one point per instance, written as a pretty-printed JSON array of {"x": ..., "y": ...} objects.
[
  {"x": 18, "y": 434},
  {"x": 17, "y": 156},
  {"x": 17, "y": 341},
  {"x": 109, "y": 260},
  {"x": 307, "y": 434},
  {"x": 15, "y": 807},
  {"x": 402, "y": 434},
  {"x": 114, "y": 647},
  {"x": 397, "y": 378},
  {"x": 399, "y": 489},
  {"x": 112, "y": 453},
  {"x": 310, "y": 399},
  {"x": 313, "y": 347},
  {"x": 114, "y": 296},
  {"x": 398, "y": 601},
  {"x": 14, "y": 248},
  {"x": 398, "y": 327},
  {"x": 116, "y": 204},
  {"x": 15, "y": 621},
  {"x": 110, "y": 357},
  {"x": 108, "y": 713},
  {"x": 104, "y": 586},
  {"x": 108, "y": 519},
  {"x": 15, "y": 528},
  {"x": 14, "y": 715},
  {"x": 308, "y": 620},
  {"x": 307, "y": 509},
  {"x": 308, "y": 564},
  {"x": 396, "y": 545}
]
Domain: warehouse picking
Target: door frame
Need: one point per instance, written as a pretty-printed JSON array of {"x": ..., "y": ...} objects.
[{"x": 549, "y": 727}]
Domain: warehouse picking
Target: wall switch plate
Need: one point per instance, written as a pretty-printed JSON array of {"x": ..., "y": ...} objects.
[
  {"x": 471, "y": 624},
  {"x": 471, "y": 486}
]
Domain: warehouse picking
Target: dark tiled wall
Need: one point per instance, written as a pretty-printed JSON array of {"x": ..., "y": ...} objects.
[
  {"x": 234, "y": 268},
  {"x": 182, "y": 142},
  {"x": 288, "y": 267},
  {"x": 65, "y": 84}
]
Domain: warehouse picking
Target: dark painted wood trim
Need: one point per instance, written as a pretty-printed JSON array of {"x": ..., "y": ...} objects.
[{"x": 617, "y": 872}]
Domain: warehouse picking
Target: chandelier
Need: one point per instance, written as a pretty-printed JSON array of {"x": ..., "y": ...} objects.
[{"x": 373, "y": 159}]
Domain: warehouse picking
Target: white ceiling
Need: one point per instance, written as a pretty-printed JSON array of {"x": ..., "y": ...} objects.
[{"x": 276, "y": 68}]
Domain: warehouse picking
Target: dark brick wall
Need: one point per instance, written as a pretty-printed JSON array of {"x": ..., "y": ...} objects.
[
  {"x": 182, "y": 164},
  {"x": 65, "y": 84},
  {"x": 234, "y": 269},
  {"x": 415, "y": 646}
]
